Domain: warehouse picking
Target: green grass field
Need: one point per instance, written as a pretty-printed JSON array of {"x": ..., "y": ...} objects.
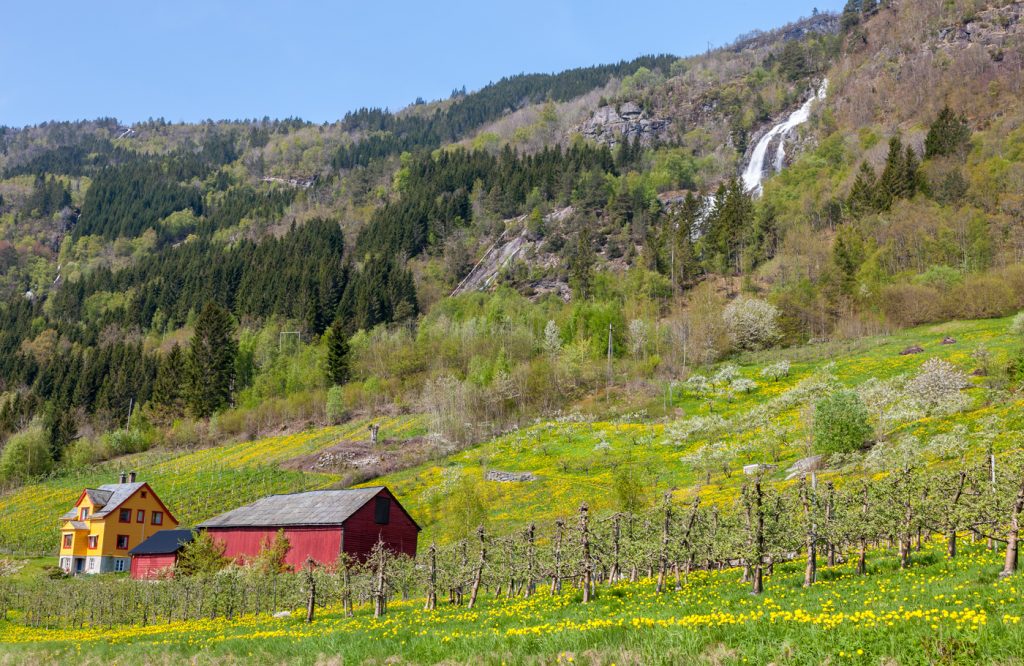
[
  {"x": 577, "y": 460},
  {"x": 938, "y": 611}
]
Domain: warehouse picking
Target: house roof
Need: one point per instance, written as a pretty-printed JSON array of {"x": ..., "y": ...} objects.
[
  {"x": 116, "y": 494},
  {"x": 163, "y": 542},
  {"x": 107, "y": 498},
  {"x": 78, "y": 525},
  {"x": 317, "y": 507}
]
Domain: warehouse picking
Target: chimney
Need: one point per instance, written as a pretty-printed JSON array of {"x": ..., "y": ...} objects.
[
  {"x": 131, "y": 477},
  {"x": 123, "y": 478}
]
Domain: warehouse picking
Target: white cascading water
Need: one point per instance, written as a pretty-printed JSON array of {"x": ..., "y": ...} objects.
[{"x": 753, "y": 176}]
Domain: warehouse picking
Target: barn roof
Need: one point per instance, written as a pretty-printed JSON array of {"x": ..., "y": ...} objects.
[
  {"x": 163, "y": 542},
  {"x": 317, "y": 507}
]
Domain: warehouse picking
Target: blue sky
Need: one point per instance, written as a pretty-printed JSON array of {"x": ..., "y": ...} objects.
[{"x": 196, "y": 59}]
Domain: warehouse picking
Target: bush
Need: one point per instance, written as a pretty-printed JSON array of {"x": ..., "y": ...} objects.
[
  {"x": 335, "y": 409},
  {"x": 841, "y": 423},
  {"x": 27, "y": 454},
  {"x": 1017, "y": 325},
  {"x": 123, "y": 442},
  {"x": 937, "y": 387},
  {"x": 752, "y": 323}
]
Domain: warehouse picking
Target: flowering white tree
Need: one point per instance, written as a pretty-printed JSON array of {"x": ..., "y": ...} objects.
[
  {"x": 776, "y": 371},
  {"x": 752, "y": 323},
  {"x": 637, "y": 337},
  {"x": 937, "y": 387},
  {"x": 552, "y": 338},
  {"x": 1017, "y": 325}
]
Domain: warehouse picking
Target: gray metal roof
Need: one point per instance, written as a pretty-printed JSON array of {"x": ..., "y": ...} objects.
[
  {"x": 317, "y": 507},
  {"x": 116, "y": 493},
  {"x": 164, "y": 542}
]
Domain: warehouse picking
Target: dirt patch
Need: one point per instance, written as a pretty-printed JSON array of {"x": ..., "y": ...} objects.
[{"x": 359, "y": 460}]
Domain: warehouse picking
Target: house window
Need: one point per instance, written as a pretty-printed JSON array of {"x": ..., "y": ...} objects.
[
  {"x": 383, "y": 512},
  {"x": 140, "y": 516},
  {"x": 157, "y": 517},
  {"x": 85, "y": 512},
  {"x": 119, "y": 564},
  {"x": 93, "y": 540},
  {"x": 124, "y": 516},
  {"x": 122, "y": 541},
  {"x": 67, "y": 540}
]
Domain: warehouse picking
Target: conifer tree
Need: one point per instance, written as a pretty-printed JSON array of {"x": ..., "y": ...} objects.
[
  {"x": 338, "y": 371},
  {"x": 948, "y": 135},
  {"x": 170, "y": 379},
  {"x": 211, "y": 361},
  {"x": 862, "y": 195}
]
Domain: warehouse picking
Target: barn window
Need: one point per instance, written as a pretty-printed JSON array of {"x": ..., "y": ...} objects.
[
  {"x": 124, "y": 516},
  {"x": 140, "y": 516},
  {"x": 383, "y": 514},
  {"x": 67, "y": 540},
  {"x": 122, "y": 541},
  {"x": 157, "y": 518}
]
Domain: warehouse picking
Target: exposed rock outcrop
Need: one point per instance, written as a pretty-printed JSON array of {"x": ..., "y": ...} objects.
[{"x": 610, "y": 125}]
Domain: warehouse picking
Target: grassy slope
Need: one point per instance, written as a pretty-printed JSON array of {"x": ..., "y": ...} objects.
[
  {"x": 936, "y": 612},
  {"x": 194, "y": 485},
  {"x": 577, "y": 461}
]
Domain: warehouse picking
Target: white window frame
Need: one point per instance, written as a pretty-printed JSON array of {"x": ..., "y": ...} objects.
[{"x": 119, "y": 565}]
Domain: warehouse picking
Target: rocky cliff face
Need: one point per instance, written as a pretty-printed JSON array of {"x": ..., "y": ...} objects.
[
  {"x": 992, "y": 29},
  {"x": 610, "y": 125}
]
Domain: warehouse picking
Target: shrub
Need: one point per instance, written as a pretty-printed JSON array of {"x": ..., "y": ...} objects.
[
  {"x": 335, "y": 409},
  {"x": 841, "y": 423},
  {"x": 752, "y": 323},
  {"x": 203, "y": 555},
  {"x": 1017, "y": 325},
  {"x": 26, "y": 454},
  {"x": 122, "y": 442}
]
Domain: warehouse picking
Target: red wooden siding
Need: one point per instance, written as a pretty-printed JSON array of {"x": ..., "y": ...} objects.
[
  {"x": 148, "y": 566},
  {"x": 323, "y": 544},
  {"x": 362, "y": 530}
]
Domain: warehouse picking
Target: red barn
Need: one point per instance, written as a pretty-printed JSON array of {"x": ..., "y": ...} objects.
[
  {"x": 158, "y": 553},
  {"x": 320, "y": 524}
]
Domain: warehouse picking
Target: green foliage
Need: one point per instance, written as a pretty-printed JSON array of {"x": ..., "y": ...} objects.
[
  {"x": 26, "y": 455},
  {"x": 336, "y": 409},
  {"x": 211, "y": 361},
  {"x": 203, "y": 555},
  {"x": 841, "y": 423},
  {"x": 270, "y": 559},
  {"x": 338, "y": 364},
  {"x": 948, "y": 135}
]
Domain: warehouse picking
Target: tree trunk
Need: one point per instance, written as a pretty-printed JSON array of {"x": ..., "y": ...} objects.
[
  {"x": 951, "y": 522},
  {"x": 432, "y": 580},
  {"x": 615, "y": 572},
  {"x": 478, "y": 576},
  {"x": 862, "y": 564},
  {"x": 310, "y": 589},
  {"x": 531, "y": 560},
  {"x": 1013, "y": 534},
  {"x": 663, "y": 553},
  {"x": 380, "y": 588},
  {"x": 810, "y": 571},
  {"x": 585, "y": 544},
  {"x": 556, "y": 573}
]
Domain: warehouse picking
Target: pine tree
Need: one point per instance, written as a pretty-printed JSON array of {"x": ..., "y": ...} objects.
[
  {"x": 862, "y": 195},
  {"x": 900, "y": 177},
  {"x": 170, "y": 380},
  {"x": 948, "y": 135},
  {"x": 211, "y": 361},
  {"x": 338, "y": 371}
]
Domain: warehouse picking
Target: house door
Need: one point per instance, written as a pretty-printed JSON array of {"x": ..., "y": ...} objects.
[{"x": 79, "y": 564}]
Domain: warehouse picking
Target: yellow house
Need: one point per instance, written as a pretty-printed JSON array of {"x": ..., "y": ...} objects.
[{"x": 107, "y": 522}]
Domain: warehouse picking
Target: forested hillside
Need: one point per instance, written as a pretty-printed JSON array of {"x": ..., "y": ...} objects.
[{"x": 180, "y": 285}]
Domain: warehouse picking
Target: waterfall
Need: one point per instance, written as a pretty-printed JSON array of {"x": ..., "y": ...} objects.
[{"x": 753, "y": 176}]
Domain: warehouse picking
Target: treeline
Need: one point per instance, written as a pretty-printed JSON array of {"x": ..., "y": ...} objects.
[
  {"x": 390, "y": 134},
  {"x": 125, "y": 200},
  {"x": 436, "y": 192}
]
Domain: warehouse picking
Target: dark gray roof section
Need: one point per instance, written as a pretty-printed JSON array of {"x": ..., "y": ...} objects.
[
  {"x": 99, "y": 497},
  {"x": 317, "y": 507},
  {"x": 163, "y": 542}
]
